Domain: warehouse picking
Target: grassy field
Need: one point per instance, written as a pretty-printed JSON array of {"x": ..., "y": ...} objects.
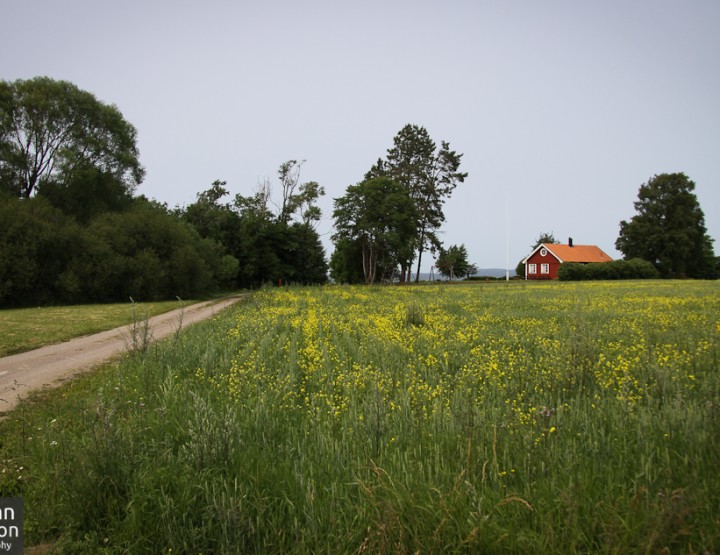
[
  {"x": 24, "y": 329},
  {"x": 489, "y": 418}
]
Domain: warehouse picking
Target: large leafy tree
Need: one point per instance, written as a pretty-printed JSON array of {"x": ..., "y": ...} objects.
[
  {"x": 429, "y": 175},
  {"x": 453, "y": 262},
  {"x": 51, "y": 130},
  {"x": 376, "y": 218},
  {"x": 668, "y": 229}
]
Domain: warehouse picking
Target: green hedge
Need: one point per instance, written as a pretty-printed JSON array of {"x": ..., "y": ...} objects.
[{"x": 618, "y": 269}]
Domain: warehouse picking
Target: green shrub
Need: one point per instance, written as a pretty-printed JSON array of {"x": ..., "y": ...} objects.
[{"x": 617, "y": 269}]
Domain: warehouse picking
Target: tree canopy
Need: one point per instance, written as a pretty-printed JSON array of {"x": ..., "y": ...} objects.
[
  {"x": 453, "y": 262},
  {"x": 72, "y": 229},
  {"x": 429, "y": 175},
  {"x": 270, "y": 245},
  {"x": 544, "y": 238},
  {"x": 47, "y": 256},
  {"x": 379, "y": 217},
  {"x": 669, "y": 229},
  {"x": 50, "y": 130}
]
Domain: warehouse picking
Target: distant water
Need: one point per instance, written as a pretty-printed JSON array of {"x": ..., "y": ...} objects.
[{"x": 483, "y": 272}]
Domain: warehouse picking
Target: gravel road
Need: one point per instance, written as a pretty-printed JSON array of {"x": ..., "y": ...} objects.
[{"x": 51, "y": 365}]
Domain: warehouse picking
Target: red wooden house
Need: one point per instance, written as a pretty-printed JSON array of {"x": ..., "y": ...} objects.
[{"x": 544, "y": 262}]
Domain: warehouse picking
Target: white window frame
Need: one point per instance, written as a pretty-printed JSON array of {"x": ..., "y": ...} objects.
[
  {"x": 544, "y": 268},
  {"x": 543, "y": 252},
  {"x": 532, "y": 269}
]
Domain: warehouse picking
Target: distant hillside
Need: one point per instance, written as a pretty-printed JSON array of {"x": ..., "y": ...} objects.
[{"x": 483, "y": 272}]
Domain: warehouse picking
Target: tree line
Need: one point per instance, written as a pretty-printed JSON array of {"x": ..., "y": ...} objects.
[
  {"x": 74, "y": 231},
  {"x": 51, "y": 252},
  {"x": 72, "y": 228}
]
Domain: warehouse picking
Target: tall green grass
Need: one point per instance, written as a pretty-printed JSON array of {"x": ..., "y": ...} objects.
[{"x": 491, "y": 418}]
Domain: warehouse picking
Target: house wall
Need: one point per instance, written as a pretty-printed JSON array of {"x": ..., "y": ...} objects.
[{"x": 538, "y": 259}]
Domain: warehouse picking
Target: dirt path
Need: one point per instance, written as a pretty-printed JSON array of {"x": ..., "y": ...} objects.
[{"x": 51, "y": 365}]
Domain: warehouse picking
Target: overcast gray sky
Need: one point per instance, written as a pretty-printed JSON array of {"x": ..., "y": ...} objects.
[{"x": 562, "y": 109}]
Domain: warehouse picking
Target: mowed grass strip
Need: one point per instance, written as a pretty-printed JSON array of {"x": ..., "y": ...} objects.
[{"x": 25, "y": 329}]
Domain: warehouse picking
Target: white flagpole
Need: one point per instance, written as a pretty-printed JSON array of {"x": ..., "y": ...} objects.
[{"x": 507, "y": 236}]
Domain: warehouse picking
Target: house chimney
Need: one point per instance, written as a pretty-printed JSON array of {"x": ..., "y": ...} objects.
[{"x": 569, "y": 241}]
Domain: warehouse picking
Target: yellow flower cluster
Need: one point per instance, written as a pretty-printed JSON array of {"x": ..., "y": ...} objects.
[{"x": 364, "y": 355}]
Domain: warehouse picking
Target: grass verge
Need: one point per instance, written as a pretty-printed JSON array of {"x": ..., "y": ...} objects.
[{"x": 25, "y": 329}]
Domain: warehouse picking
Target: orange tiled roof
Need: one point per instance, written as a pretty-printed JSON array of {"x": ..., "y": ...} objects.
[{"x": 578, "y": 253}]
